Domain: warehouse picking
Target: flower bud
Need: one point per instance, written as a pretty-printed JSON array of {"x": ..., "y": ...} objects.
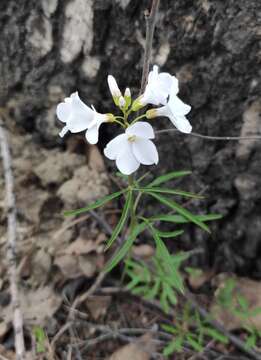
[
  {"x": 110, "y": 117},
  {"x": 152, "y": 113},
  {"x": 127, "y": 97},
  {"x": 137, "y": 105},
  {"x": 122, "y": 102},
  {"x": 114, "y": 89},
  {"x": 127, "y": 93}
]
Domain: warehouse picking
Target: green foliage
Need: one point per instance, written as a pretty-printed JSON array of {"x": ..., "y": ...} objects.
[
  {"x": 160, "y": 279},
  {"x": 125, "y": 247},
  {"x": 230, "y": 298},
  {"x": 180, "y": 210},
  {"x": 122, "y": 220},
  {"x": 40, "y": 339},
  {"x": 167, "y": 177},
  {"x": 178, "y": 219},
  {"x": 170, "y": 192},
  {"x": 96, "y": 204},
  {"x": 190, "y": 329}
]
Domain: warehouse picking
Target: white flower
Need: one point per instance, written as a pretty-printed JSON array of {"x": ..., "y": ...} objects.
[
  {"x": 158, "y": 87},
  {"x": 175, "y": 110},
  {"x": 133, "y": 148},
  {"x": 114, "y": 89},
  {"x": 78, "y": 117}
]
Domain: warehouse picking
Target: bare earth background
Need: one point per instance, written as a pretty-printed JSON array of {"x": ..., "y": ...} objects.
[{"x": 50, "y": 48}]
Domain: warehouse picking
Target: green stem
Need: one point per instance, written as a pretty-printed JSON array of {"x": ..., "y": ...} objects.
[
  {"x": 138, "y": 118},
  {"x": 132, "y": 207},
  {"x": 133, "y": 221}
]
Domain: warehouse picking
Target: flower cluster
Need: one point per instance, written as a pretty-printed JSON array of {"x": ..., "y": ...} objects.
[{"x": 134, "y": 146}]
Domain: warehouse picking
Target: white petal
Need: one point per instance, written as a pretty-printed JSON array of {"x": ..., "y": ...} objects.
[
  {"x": 141, "y": 129},
  {"x": 113, "y": 86},
  {"x": 126, "y": 161},
  {"x": 178, "y": 107},
  {"x": 115, "y": 146},
  {"x": 81, "y": 115},
  {"x": 63, "y": 111},
  {"x": 181, "y": 123},
  {"x": 92, "y": 134},
  {"x": 145, "y": 152}
]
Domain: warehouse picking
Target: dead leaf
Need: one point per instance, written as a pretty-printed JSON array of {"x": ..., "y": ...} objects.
[
  {"x": 250, "y": 290},
  {"x": 98, "y": 305},
  {"x": 7, "y": 354},
  {"x": 95, "y": 159},
  {"x": 68, "y": 265},
  {"x": 139, "y": 350},
  {"x": 199, "y": 278},
  {"x": 37, "y": 306},
  {"x": 143, "y": 251},
  {"x": 88, "y": 265},
  {"x": 80, "y": 247}
]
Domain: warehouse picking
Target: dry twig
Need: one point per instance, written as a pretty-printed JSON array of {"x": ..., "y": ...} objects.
[
  {"x": 209, "y": 137},
  {"x": 11, "y": 245},
  {"x": 150, "y": 18}
]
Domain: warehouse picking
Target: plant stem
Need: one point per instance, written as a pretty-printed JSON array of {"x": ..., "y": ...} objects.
[
  {"x": 138, "y": 118},
  {"x": 133, "y": 218}
]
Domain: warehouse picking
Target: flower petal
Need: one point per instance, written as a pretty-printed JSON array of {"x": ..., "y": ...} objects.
[
  {"x": 181, "y": 123},
  {"x": 115, "y": 146},
  {"x": 81, "y": 115},
  {"x": 178, "y": 107},
  {"x": 63, "y": 111},
  {"x": 145, "y": 152},
  {"x": 126, "y": 161},
  {"x": 92, "y": 134},
  {"x": 113, "y": 86},
  {"x": 141, "y": 129}
]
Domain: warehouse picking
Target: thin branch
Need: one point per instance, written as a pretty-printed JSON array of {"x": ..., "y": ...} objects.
[
  {"x": 11, "y": 245},
  {"x": 150, "y": 18},
  {"x": 208, "y": 137}
]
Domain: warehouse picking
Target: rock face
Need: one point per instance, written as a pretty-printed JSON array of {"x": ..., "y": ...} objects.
[{"x": 50, "y": 48}]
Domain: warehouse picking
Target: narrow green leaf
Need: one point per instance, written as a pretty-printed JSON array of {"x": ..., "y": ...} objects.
[
  {"x": 153, "y": 291},
  {"x": 167, "y": 177},
  {"x": 170, "y": 293},
  {"x": 216, "y": 335},
  {"x": 170, "y": 329},
  {"x": 163, "y": 253},
  {"x": 178, "y": 219},
  {"x": 125, "y": 248},
  {"x": 121, "y": 222},
  {"x": 195, "y": 344},
  {"x": 96, "y": 204},
  {"x": 174, "y": 346},
  {"x": 179, "y": 209},
  {"x": 170, "y": 234},
  {"x": 164, "y": 302},
  {"x": 171, "y": 192}
]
